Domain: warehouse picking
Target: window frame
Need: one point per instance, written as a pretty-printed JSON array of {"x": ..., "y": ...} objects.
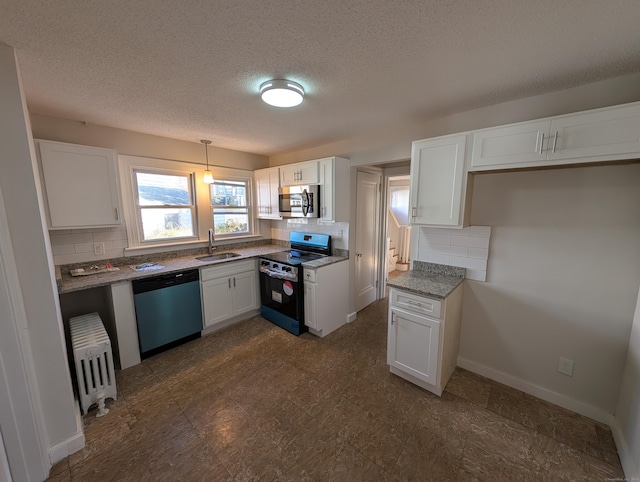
[
  {"x": 128, "y": 165},
  {"x": 193, "y": 206},
  {"x": 248, "y": 184}
]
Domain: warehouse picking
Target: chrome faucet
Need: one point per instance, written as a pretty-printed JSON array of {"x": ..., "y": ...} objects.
[{"x": 212, "y": 240}]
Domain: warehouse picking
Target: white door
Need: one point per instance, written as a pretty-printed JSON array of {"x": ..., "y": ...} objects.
[
  {"x": 412, "y": 345},
  {"x": 437, "y": 181},
  {"x": 20, "y": 442},
  {"x": 217, "y": 300},
  {"x": 511, "y": 145},
  {"x": 245, "y": 292},
  {"x": 366, "y": 258},
  {"x": 606, "y": 133}
]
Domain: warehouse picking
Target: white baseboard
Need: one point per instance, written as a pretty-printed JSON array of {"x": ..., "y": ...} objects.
[
  {"x": 351, "y": 317},
  {"x": 631, "y": 470},
  {"x": 72, "y": 444},
  {"x": 232, "y": 321},
  {"x": 569, "y": 403}
]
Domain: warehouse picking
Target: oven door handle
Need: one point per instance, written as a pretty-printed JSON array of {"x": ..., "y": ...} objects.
[{"x": 274, "y": 274}]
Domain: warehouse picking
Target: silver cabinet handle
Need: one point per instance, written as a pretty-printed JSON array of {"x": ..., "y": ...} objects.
[
  {"x": 541, "y": 143},
  {"x": 229, "y": 283},
  {"x": 414, "y": 212},
  {"x": 555, "y": 140},
  {"x": 234, "y": 281},
  {"x": 393, "y": 318},
  {"x": 117, "y": 214}
]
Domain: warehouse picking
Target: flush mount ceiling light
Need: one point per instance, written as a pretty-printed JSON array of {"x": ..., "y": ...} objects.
[
  {"x": 282, "y": 93},
  {"x": 208, "y": 177}
]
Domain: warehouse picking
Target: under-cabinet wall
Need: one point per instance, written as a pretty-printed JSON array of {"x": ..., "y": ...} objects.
[
  {"x": 562, "y": 281},
  {"x": 339, "y": 232}
]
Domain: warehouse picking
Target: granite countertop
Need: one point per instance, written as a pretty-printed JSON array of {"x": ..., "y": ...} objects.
[
  {"x": 68, "y": 283},
  {"x": 318, "y": 263},
  {"x": 429, "y": 279}
]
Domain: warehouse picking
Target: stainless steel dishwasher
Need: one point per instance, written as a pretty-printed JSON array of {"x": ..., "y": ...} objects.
[{"x": 168, "y": 310}]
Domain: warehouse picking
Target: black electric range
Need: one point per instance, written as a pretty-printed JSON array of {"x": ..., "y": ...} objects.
[{"x": 281, "y": 280}]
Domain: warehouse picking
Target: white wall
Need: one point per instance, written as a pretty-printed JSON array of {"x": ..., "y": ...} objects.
[
  {"x": 626, "y": 427},
  {"x": 76, "y": 246},
  {"x": 562, "y": 281},
  {"x": 394, "y": 143},
  {"x": 339, "y": 232},
  {"x": 143, "y": 145},
  {"x": 32, "y": 253}
]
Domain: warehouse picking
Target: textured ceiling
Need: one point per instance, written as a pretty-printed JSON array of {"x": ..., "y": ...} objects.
[{"x": 190, "y": 69}]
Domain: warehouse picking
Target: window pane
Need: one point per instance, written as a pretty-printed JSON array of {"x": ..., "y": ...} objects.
[
  {"x": 163, "y": 189},
  {"x": 229, "y": 220},
  {"x": 229, "y": 193},
  {"x": 159, "y": 223}
]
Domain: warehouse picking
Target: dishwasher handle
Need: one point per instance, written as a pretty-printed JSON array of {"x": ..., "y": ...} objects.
[{"x": 164, "y": 281}]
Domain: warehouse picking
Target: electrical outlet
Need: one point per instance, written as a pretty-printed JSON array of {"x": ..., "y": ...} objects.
[
  {"x": 565, "y": 366},
  {"x": 98, "y": 249}
]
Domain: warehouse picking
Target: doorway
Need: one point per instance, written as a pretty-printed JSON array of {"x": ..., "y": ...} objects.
[
  {"x": 367, "y": 238},
  {"x": 397, "y": 233}
]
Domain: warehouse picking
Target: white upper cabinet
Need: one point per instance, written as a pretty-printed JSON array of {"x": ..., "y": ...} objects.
[
  {"x": 513, "y": 145},
  {"x": 334, "y": 190},
  {"x": 438, "y": 181},
  {"x": 267, "y": 184},
  {"x": 608, "y": 134},
  {"x": 299, "y": 174},
  {"x": 80, "y": 185}
]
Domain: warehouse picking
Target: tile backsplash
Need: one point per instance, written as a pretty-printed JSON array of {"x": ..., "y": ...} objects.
[
  {"x": 466, "y": 248},
  {"x": 339, "y": 232},
  {"x": 77, "y": 245}
]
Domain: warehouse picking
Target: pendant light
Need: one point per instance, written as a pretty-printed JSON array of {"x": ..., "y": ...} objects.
[
  {"x": 208, "y": 177},
  {"x": 282, "y": 93}
]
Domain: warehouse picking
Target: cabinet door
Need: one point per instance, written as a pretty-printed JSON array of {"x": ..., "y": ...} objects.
[
  {"x": 310, "y": 318},
  {"x": 610, "y": 134},
  {"x": 245, "y": 292},
  {"x": 413, "y": 345},
  {"x": 299, "y": 173},
  {"x": 327, "y": 190},
  {"x": 510, "y": 146},
  {"x": 267, "y": 183},
  {"x": 80, "y": 184},
  {"x": 437, "y": 178},
  {"x": 217, "y": 300}
]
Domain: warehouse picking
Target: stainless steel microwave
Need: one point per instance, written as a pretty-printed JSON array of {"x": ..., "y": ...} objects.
[{"x": 298, "y": 201}]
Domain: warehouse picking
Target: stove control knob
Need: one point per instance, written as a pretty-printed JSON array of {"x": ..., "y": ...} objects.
[
  {"x": 274, "y": 265},
  {"x": 265, "y": 263},
  {"x": 287, "y": 268}
]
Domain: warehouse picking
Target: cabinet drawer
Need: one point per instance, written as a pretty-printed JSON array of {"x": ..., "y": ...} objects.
[
  {"x": 416, "y": 304},
  {"x": 227, "y": 269}
]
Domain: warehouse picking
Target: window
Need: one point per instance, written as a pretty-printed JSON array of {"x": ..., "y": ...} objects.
[
  {"x": 167, "y": 203},
  {"x": 166, "y": 207},
  {"x": 230, "y": 207}
]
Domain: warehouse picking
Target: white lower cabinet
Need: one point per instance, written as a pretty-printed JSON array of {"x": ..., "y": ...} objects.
[
  {"x": 229, "y": 290},
  {"x": 423, "y": 337},
  {"x": 326, "y": 298}
]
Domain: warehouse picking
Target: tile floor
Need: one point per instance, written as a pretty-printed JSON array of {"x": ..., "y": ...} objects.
[{"x": 255, "y": 403}]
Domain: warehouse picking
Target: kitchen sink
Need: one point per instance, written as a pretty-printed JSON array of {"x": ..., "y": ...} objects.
[{"x": 217, "y": 257}]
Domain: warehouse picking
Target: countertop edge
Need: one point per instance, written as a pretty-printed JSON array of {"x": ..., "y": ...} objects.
[
  {"x": 447, "y": 286},
  {"x": 68, "y": 284}
]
